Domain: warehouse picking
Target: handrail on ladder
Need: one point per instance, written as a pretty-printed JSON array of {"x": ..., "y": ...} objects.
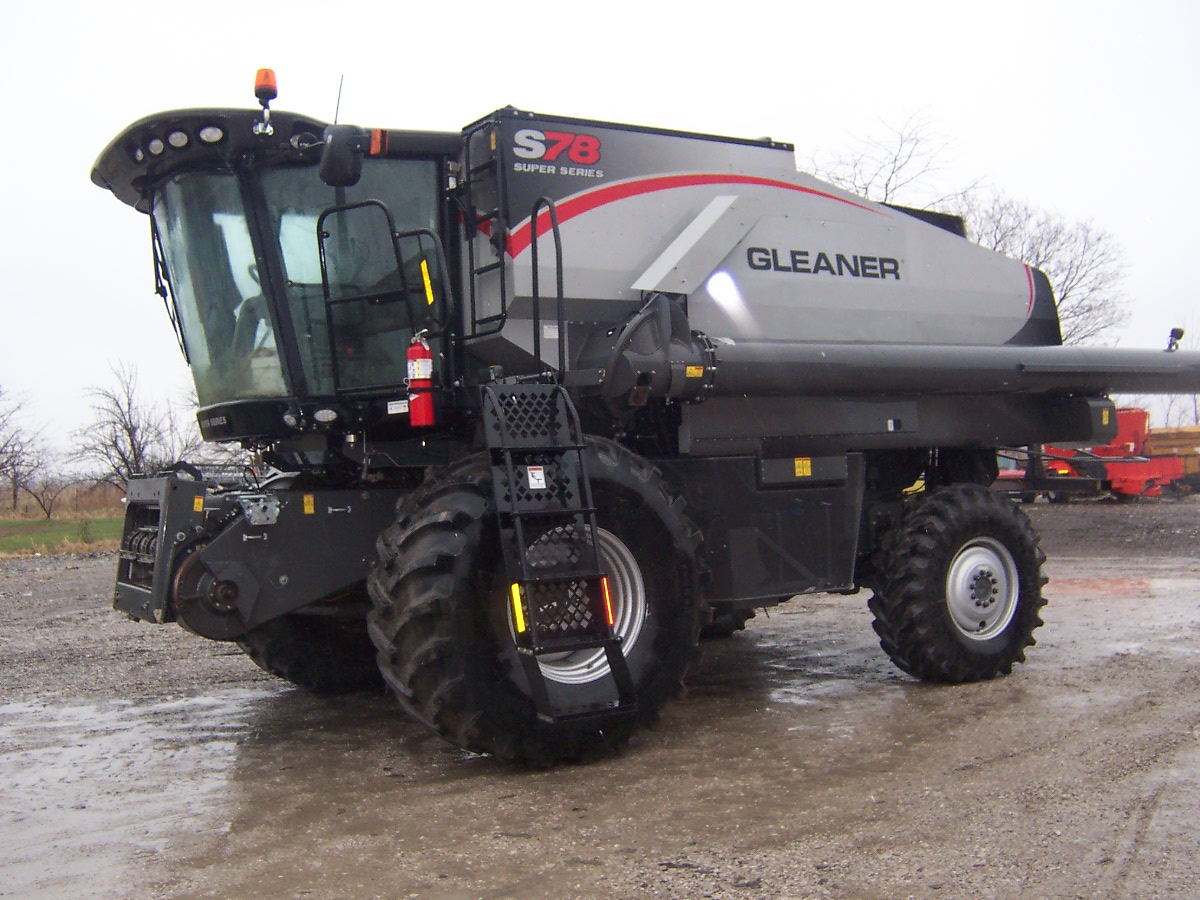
[{"x": 558, "y": 274}]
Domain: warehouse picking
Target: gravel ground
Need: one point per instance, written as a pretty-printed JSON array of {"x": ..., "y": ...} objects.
[{"x": 140, "y": 761}]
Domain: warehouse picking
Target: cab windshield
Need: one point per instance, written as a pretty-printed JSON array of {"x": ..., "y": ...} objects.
[
  {"x": 216, "y": 270},
  {"x": 214, "y": 274}
]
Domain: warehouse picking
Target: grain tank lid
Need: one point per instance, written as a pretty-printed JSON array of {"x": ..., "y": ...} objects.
[
  {"x": 161, "y": 144},
  {"x": 511, "y": 112},
  {"x": 946, "y": 221}
]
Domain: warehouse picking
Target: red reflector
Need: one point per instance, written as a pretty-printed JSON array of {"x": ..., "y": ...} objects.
[{"x": 607, "y": 599}]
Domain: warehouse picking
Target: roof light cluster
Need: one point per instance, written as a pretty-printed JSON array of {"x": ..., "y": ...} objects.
[
  {"x": 265, "y": 90},
  {"x": 177, "y": 139}
]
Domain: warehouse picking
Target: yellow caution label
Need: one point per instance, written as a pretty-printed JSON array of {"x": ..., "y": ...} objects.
[
  {"x": 1104, "y": 416},
  {"x": 198, "y": 503},
  {"x": 695, "y": 371},
  {"x": 803, "y": 467},
  {"x": 310, "y": 504},
  {"x": 428, "y": 283}
]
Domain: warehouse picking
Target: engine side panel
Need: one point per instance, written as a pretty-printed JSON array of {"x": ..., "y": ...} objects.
[{"x": 773, "y": 527}]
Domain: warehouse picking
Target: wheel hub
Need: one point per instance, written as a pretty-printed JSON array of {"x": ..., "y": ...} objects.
[{"x": 982, "y": 589}]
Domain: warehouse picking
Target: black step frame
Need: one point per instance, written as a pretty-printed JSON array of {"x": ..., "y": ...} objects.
[{"x": 537, "y": 425}]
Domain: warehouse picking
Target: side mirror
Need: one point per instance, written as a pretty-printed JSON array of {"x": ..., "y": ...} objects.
[{"x": 342, "y": 155}]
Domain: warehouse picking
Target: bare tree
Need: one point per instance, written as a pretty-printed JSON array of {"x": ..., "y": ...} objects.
[
  {"x": 46, "y": 482},
  {"x": 1085, "y": 264},
  {"x": 9, "y": 433},
  {"x": 886, "y": 167},
  {"x": 17, "y": 443},
  {"x": 131, "y": 435},
  {"x": 1183, "y": 409}
]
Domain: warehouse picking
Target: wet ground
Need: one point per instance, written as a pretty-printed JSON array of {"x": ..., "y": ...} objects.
[{"x": 139, "y": 761}]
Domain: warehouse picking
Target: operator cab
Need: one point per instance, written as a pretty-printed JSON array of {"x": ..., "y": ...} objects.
[{"x": 296, "y": 284}]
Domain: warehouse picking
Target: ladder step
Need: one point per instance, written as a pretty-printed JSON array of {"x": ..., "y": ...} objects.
[
  {"x": 565, "y": 646},
  {"x": 565, "y": 513},
  {"x": 518, "y": 450},
  {"x": 571, "y": 577},
  {"x": 623, "y": 710}
]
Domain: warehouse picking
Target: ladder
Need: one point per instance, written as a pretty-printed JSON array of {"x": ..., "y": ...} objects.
[
  {"x": 558, "y": 596},
  {"x": 480, "y": 194}
]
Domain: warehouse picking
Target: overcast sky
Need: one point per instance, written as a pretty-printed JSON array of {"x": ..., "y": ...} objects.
[{"x": 1087, "y": 109}]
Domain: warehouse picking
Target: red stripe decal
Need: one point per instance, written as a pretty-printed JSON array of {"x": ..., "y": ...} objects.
[
  {"x": 519, "y": 240},
  {"x": 1029, "y": 275}
]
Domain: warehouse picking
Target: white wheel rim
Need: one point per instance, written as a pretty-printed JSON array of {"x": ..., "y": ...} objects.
[{"x": 982, "y": 589}]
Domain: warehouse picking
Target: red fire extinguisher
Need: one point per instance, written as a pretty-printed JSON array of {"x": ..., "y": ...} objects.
[{"x": 420, "y": 381}]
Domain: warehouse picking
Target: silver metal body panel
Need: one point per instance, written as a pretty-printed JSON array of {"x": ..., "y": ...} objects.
[{"x": 762, "y": 251}]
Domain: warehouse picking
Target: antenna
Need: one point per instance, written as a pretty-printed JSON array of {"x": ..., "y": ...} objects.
[{"x": 337, "y": 108}]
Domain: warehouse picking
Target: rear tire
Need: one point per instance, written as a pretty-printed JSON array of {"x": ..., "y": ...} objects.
[
  {"x": 962, "y": 589},
  {"x": 322, "y": 654},
  {"x": 727, "y": 620},
  {"x": 440, "y": 615}
]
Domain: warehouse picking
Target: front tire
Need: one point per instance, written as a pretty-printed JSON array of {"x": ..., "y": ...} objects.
[
  {"x": 441, "y": 619},
  {"x": 962, "y": 590}
]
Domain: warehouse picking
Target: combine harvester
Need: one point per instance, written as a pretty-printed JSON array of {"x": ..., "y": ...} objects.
[{"x": 535, "y": 402}]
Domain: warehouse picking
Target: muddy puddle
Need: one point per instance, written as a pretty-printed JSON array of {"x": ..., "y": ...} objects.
[
  {"x": 799, "y": 763},
  {"x": 94, "y": 792}
]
